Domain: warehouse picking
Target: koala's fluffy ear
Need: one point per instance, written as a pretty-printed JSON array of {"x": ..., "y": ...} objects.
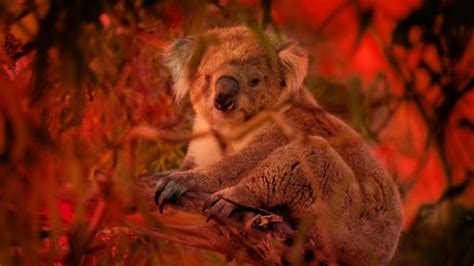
[
  {"x": 177, "y": 57},
  {"x": 294, "y": 60}
]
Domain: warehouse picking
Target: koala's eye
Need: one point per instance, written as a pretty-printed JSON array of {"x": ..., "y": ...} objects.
[
  {"x": 254, "y": 82},
  {"x": 207, "y": 77}
]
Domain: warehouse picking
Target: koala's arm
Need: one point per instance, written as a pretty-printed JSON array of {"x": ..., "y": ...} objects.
[
  {"x": 230, "y": 169},
  {"x": 281, "y": 180}
]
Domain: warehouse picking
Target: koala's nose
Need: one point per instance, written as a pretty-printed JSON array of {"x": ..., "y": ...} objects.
[{"x": 227, "y": 89}]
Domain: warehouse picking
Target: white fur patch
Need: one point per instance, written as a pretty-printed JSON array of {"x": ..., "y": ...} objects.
[
  {"x": 176, "y": 58},
  {"x": 206, "y": 150},
  {"x": 181, "y": 86},
  {"x": 295, "y": 60}
]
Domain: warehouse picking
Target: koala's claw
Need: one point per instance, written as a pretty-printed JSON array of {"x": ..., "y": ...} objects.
[
  {"x": 160, "y": 186},
  {"x": 168, "y": 192}
]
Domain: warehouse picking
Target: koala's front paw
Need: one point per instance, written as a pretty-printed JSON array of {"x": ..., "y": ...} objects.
[{"x": 168, "y": 191}]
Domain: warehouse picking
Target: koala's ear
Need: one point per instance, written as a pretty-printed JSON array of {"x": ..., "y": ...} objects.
[
  {"x": 177, "y": 57},
  {"x": 294, "y": 61}
]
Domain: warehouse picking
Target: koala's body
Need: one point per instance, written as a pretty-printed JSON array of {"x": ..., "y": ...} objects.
[{"x": 325, "y": 176}]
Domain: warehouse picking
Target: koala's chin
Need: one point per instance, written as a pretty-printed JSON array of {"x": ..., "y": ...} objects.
[
  {"x": 228, "y": 119},
  {"x": 218, "y": 120}
]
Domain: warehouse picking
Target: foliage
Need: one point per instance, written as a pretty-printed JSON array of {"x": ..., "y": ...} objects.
[{"x": 79, "y": 76}]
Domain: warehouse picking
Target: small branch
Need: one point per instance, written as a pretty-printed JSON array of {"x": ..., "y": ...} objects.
[
  {"x": 332, "y": 15},
  {"x": 150, "y": 39}
]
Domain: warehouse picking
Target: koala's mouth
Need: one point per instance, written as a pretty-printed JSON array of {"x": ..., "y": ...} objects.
[
  {"x": 227, "y": 108},
  {"x": 230, "y": 114},
  {"x": 227, "y": 112}
]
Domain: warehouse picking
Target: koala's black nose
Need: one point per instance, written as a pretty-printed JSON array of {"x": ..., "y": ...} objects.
[{"x": 227, "y": 89}]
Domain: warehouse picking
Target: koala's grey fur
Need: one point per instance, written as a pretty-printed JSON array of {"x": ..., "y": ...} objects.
[{"x": 349, "y": 200}]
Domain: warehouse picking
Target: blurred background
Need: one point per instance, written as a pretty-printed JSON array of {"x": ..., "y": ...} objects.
[{"x": 77, "y": 77}]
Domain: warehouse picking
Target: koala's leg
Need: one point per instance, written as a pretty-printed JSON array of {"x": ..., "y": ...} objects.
[{"x": 311, "y": 181}]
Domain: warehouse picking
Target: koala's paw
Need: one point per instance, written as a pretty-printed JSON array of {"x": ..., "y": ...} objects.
[{"x": 168, "y": 191}]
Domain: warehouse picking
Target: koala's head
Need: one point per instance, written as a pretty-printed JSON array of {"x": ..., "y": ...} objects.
[{"x": 233, "y": 73}]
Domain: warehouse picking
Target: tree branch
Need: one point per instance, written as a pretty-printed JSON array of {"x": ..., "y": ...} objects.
[{"x": 261, "y": 238}]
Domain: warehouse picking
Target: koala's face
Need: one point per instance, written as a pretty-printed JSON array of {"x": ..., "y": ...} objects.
[
  {"x": 234, "y": 80},
  {"x": 230, "y": 75}
]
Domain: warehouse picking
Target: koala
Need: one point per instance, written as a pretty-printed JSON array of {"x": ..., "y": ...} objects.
[{"x": 326, "y": 177}]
